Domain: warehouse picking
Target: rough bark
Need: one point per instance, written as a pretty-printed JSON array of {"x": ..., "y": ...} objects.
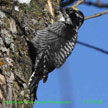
[{"x": 15, "y": 37}]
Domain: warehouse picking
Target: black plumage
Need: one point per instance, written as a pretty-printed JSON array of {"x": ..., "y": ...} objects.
[{"x": 54, "y": 44}]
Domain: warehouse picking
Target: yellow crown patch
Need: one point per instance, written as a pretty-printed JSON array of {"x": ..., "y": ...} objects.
[{"x": 74, "y": 8}]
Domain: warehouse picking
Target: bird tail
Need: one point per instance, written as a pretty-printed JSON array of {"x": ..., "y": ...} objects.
[
  {"x": 36, "y": 76},
  {"x": 33, "y": 84}
]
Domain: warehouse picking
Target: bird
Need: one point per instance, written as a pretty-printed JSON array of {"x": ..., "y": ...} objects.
[{"x": 54, "y": 44}]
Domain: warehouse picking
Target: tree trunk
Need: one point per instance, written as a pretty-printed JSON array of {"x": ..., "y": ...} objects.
[{"x": 15, "y": 48}]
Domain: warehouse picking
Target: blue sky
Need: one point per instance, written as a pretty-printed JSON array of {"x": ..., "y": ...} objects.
[{"x": 84, "y": 76}]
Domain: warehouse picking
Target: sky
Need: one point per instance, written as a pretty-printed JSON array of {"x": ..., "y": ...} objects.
[{"x": 83, "y": 79}]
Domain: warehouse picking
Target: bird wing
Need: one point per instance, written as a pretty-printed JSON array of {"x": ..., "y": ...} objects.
[
  {"x": 59, "y": 39},
  {"x": 52, "y": 36}
]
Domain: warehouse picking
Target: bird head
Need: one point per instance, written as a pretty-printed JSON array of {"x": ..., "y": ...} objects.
[{"x": 75, "y": 15}]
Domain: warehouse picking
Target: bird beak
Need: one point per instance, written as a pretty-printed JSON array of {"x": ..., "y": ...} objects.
[{"x": 74, "y": 8}]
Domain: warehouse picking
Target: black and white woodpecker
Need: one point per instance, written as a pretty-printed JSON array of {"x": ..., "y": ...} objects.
[{"x": 54, "y": 44}]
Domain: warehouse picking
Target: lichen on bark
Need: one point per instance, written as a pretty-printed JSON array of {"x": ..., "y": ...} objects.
[{"x": 15, "y": 62}]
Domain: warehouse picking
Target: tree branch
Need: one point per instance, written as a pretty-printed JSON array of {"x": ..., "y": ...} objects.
[
  {"x": 98, "y": 4},
  {"x": 51, "y": 9},
  {"x": 78, "y": 3},
  {"x": 96, "y": 15},
  {"x": 93, "y": 47}
]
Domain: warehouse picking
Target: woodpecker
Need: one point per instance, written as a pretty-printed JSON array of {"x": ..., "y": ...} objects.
[{"x": 54, "y": 44}]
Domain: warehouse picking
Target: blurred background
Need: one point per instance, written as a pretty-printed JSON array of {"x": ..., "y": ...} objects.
[{"x": 83, "y": 78}]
